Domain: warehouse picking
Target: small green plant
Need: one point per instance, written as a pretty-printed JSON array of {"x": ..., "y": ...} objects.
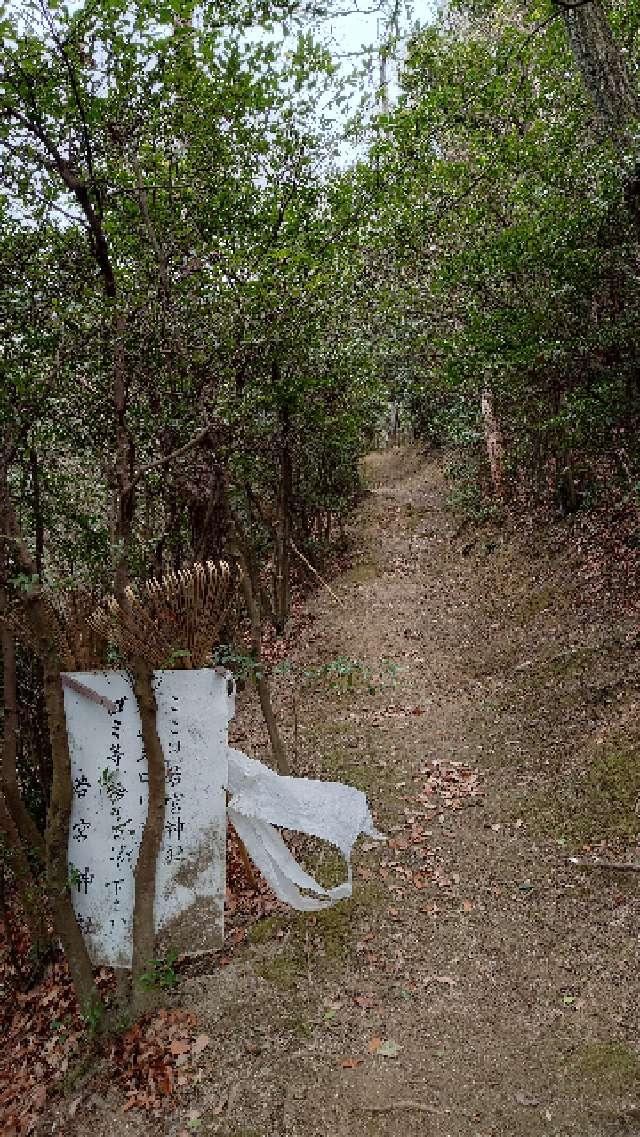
[
  {"x": 242, "y": 665},
  {"x": 93, "y": 1016},
  {"x": 344, "y": 675},
  {"x": 174, "y": 657},
  {"x": 113, "y": 655},
  {"x": 73, "y": 879},
  {"x": 24, "y": 582},
  {"x": 123, "y": 1022},
  {"x": 160, "y": 973},
  {"x": 111, "y": 784}
]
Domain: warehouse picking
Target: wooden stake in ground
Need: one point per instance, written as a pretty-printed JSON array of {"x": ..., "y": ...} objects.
[{"x": 315, "y": 572}]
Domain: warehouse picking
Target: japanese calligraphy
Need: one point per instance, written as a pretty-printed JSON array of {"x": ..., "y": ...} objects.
[{"x": 110, "y": 793}]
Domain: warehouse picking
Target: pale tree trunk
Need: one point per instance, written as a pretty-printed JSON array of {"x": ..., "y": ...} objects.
[{"x": 495, "y": 444}]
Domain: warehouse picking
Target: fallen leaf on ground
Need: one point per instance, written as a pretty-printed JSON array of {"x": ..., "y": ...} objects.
[
  {"x": 388, "y": 1049},
  {"x": 200, "y": 1044},
  {"x": 350, "y": 1063},
  {"x": 367, "y": 1001}
]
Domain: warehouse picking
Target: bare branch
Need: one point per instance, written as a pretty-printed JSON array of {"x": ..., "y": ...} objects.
[{"x": 172, "y": 457}]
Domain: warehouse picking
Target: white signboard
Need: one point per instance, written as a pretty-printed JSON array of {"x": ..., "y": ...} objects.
[{"x": 109, "y": 776}]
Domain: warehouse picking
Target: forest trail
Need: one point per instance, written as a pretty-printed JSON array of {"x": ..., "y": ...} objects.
[{"x": 504, "y": 980}]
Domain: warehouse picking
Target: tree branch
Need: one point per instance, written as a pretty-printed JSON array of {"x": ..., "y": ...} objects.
[
  {"x": 56, "y": 163},
  {"x": 168, "y": 458}
]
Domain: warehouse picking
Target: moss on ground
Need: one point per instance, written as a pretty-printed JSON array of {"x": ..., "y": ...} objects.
[
  {"x": 600, "y": 805},
  {"x": 298, "y": 1025},
  {"x": 346, "y": 766},
  {"x": 569, "y": 664},
  {"x": 266, "y": 930},
  {"x": 414, "y": 517},
  {"x": 326, "y": 938},
  {"x": 79, "y": 1070},
  {"x": 280, "y": 970},
  {"x": 612, "y": 1065},
  {"x": 243, "y": 1133},
  {"x": 553, "y": 597},
  {"x": 361, "y": 573}
]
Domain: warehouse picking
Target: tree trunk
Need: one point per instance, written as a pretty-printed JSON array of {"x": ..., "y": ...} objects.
[
  {"x": 608, "y": 81},
  {"x": 57, "y": 842},
  {"x": 50, "y": 638},
  {"x": 282, "y": 582},
  {"x": 26, "y": 826},
  {"x": 37, "y": 509},
  {"x": 262, "y": 684},
  {"x": 124, "y": 459},
  {"x": 601, "y": 64},
  {"x": 495, "y": 444},
  {"x": 144, "y": 931},
  {"x": 28, "y": 892}
]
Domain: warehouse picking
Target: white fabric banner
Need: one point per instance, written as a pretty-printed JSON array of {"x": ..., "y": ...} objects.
[{"x": 261, "y": 799}]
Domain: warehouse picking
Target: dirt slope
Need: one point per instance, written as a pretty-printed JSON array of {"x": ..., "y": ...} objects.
[{"x": 507, "y": 979}]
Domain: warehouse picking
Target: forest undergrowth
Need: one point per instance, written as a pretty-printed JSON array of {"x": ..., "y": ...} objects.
[{"x": 479, "y": 982}]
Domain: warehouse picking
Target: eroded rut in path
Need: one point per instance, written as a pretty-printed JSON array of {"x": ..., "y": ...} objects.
[{"x": 477, "y": 984}]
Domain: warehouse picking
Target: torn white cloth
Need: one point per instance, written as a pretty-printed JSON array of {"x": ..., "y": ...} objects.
[{"x": 261, "y": 799}]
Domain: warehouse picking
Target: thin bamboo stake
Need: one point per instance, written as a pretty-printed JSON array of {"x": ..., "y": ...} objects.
[{"x": 315, "y": 572}]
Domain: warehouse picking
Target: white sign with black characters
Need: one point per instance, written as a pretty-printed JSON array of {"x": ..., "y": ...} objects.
[{"x": 109, "y": 775}]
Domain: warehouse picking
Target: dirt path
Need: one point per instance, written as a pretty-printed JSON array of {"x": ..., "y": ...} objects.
[{"x": 505, "y": 980}]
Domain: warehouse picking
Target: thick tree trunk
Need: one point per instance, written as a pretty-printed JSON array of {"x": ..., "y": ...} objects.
[
  {"x": 601, "y": 64},
  {"x": 608, "y": 81},
  {"x": 50, "y": 638}
]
